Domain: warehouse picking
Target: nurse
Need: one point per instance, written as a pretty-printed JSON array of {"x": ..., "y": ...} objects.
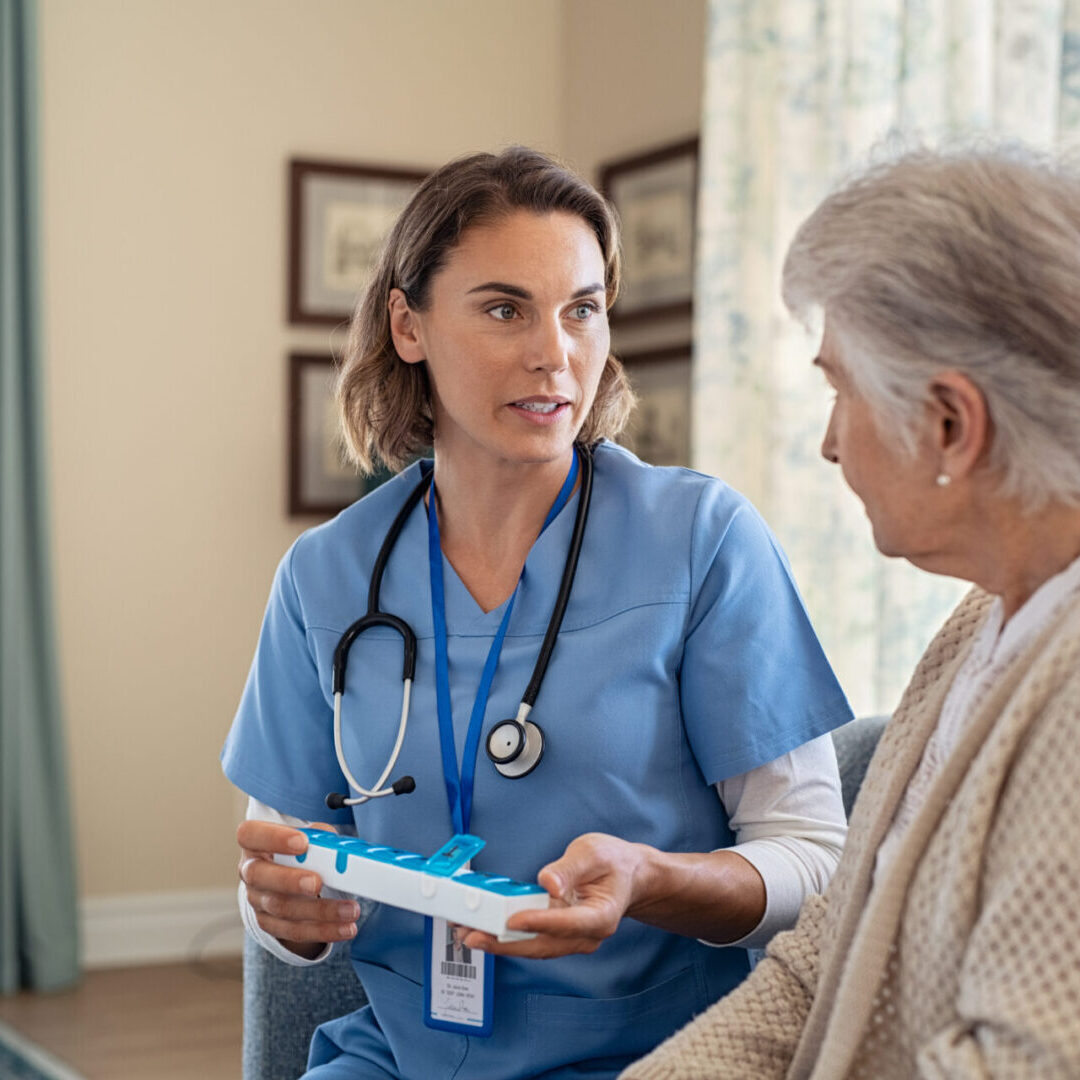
[{"x": 686, "y": 800}]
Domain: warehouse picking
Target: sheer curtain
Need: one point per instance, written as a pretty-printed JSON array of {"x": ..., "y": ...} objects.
[
  {"x": 796, "y": 91},
  {"x": 38, "y": 942}
]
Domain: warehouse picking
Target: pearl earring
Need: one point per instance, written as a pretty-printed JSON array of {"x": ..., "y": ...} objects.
[{"x": 943, "y": 480}]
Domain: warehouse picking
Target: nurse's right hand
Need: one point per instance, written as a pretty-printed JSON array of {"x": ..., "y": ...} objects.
[{"x": 286, "y": 899}]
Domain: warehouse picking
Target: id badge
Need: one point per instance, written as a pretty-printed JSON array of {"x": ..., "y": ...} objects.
[{"x": 459, "y": 982}]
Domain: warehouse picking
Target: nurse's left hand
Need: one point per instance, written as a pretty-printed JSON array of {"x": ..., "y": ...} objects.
[{"x": 592, "y": 886}]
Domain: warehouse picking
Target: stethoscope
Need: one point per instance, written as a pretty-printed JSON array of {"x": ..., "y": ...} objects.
[{"x": 514, "y": 746}]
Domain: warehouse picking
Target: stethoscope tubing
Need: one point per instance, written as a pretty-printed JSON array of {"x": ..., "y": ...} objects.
[
  {"x": 374, "y": 617},
  {"x": 378, "y": 791},
  {"x": 566, "y": 584}
]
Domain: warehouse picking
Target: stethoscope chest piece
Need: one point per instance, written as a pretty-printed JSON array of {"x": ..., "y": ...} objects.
[{"x": 515, "y": 747}]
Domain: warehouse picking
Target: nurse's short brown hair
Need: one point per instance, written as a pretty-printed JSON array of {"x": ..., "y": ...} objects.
[{"x": 385, "y": 402}]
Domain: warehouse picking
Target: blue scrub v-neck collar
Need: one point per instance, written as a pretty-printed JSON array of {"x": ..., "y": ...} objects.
[
  {"x": 460, "y": 780},
  {"x": 463, "y": 614}
]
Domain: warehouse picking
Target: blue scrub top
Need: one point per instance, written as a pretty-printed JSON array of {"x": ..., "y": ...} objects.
[{"x": 685, "y": 657}]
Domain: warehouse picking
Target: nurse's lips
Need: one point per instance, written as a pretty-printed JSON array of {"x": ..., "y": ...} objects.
[{"x": 540, "y": 409}]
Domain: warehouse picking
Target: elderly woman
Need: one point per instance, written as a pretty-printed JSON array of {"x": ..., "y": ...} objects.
[{"x": 946, "y": 945}]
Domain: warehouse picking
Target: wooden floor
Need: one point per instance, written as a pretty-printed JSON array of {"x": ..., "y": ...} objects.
[{"x": 176, "y": 1022}]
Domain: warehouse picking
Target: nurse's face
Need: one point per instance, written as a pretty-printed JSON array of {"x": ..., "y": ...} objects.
[{"x": 515, "y": 337}]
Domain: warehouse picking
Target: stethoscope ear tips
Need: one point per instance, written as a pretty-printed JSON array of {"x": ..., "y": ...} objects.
[{"x": 515, "y": 747}]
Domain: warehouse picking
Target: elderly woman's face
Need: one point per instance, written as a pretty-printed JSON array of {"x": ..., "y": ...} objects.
[{"x": 891, "y": 484}]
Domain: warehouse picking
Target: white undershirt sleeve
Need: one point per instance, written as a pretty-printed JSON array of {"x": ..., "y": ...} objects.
[
  {"x": 257, "y": 811},
  {"x": 789, "y": 823}
]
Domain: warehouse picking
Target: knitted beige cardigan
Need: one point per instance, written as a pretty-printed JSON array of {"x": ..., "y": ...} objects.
[{"x": 964, "y": 959}]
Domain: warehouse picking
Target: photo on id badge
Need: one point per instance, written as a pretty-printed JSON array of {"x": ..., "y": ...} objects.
[{"x": 459, "y": 985}]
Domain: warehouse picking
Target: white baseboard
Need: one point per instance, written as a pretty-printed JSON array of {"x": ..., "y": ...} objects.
[{"x": 159, "y": 928}]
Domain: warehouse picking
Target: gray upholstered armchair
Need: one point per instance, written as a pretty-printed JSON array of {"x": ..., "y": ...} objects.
[{"x": 283, "y": 1005}]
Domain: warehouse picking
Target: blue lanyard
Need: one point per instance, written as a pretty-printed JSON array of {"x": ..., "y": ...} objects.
[{"x": 459, "y": 786}]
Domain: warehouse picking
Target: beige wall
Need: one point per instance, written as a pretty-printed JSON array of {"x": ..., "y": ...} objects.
[
  {"x": 166, "y": 128},
  {"x": 632, "y": 80},
  {"x": 632, "y": 76}
]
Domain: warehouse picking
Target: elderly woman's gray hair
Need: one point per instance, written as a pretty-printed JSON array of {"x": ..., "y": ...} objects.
[{"x": 967, "y": 260}]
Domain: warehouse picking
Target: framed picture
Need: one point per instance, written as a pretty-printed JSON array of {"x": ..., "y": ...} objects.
[
  {"x": 659, "y": 430},
  {"x": 656, "y": 197},
  {"x": 339, "y": 215},
  {"x": 321, "y": 481}
]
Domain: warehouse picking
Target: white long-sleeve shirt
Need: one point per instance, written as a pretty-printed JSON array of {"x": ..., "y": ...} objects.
[{"x": 789, "y": 824}]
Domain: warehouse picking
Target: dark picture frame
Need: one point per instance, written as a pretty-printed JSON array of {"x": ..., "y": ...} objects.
[
  {"x": 320, "y": 482},
  {"x": 655, "y": 194},
  {"x": 659, "y": 431},
  {"x": 339, "y": 215}
]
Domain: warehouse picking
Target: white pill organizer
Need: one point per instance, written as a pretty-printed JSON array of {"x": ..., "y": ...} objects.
[{"x": 437, "y": 885}]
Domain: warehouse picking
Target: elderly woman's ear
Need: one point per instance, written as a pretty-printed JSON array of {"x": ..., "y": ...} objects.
[{"x": 961, "y": 426}]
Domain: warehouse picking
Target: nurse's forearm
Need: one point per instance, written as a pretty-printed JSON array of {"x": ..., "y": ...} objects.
[{"x": 717, "y": 896}]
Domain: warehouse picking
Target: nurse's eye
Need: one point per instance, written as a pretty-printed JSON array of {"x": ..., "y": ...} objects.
[
  {"x": 583, "y": 312},
  {"x": 503, "y": 312}
]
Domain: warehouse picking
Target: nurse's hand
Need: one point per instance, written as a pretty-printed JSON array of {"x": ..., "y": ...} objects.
[
  {"x": 286, "y": 899},
  {"x": 592, "y": 887}
]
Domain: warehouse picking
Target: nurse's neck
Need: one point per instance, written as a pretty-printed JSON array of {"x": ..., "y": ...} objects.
[{"x": 490, "y": 514}]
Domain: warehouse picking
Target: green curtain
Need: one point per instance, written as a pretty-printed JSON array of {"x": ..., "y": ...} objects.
[{"x": 38, "y": 925}]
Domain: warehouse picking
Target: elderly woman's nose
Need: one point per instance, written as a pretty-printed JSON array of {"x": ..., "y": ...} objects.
[{"x": 828, "y": 444}]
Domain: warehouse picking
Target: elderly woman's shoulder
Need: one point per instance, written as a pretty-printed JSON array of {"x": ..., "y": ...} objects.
[
  {"x": 1057, "y": 649},
  {"x": 955, "y": 634},
  {"x": 973, "y": 608}
]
